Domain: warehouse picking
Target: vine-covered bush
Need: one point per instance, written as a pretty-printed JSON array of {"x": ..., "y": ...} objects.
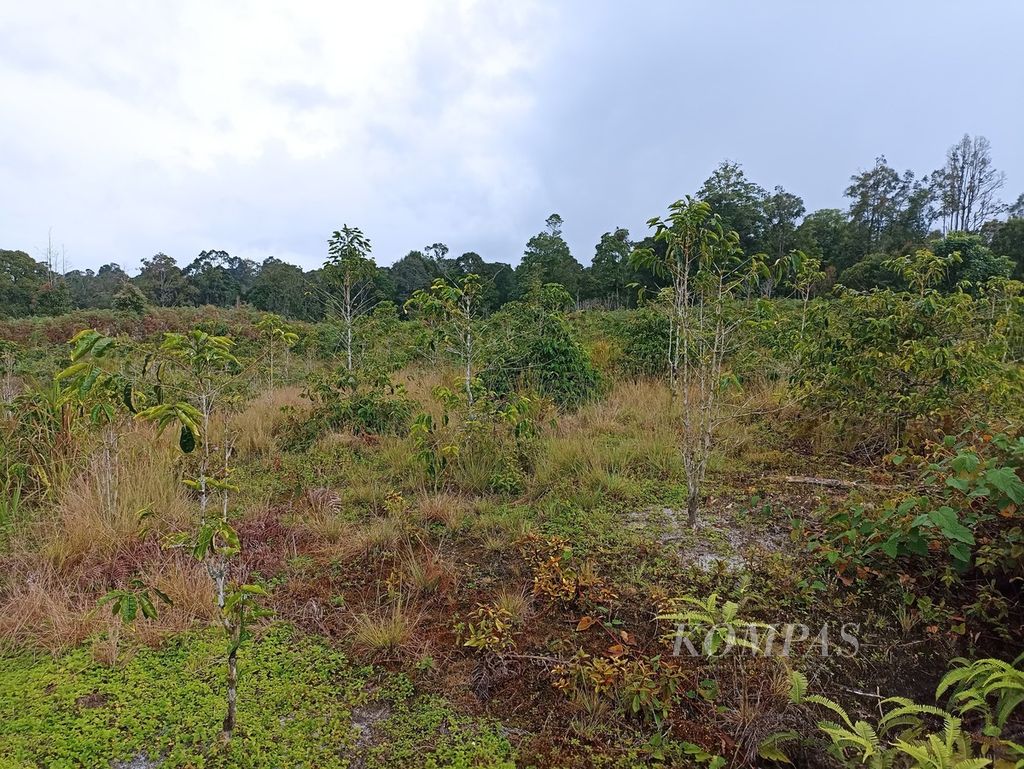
[
  {"x": 877, "y": 363},
  {"x": 533, "y": 347},
  {"x": 342, "y": 400}
]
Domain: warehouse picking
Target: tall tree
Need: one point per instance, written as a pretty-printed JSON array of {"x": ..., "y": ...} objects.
[
  {"x": 162, "y": 281},
  {"x": 95, "y": 289},
  {"x": 547, "y": 259},
  {"x": 825, "y": 235},
  {"x": 211, "y": 281},
  {"x": 1008, "y": 240},
  {"x": 888, "y": 210},
  {"x": 411, "y": 273},
  {"x": 350, "y": 271},
  {"x": 782, "y": 212},
  {"x": 610, "y": 268},
  {"x": 968, "y": 186},
  {"x": 21, "y": 278},
  {"x": 282, "y": 289},
  {"x": 738, "y": 201},
  {"x": 1016, "y": 209}
]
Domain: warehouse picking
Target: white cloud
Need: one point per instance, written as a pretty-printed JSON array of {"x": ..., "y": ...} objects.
[{"x": 145, "y": 126}]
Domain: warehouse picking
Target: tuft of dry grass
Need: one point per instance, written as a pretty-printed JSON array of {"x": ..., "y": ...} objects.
[
  {"x": 631, "y": 431},
  {"x": 255, "y": 426},
  {"x": 107, "y": 507},
  {"x": 385, "y": 631},
  {"x": 425, "y": 571},
  {"x": 498, "y": 528},
  {"x": 387, "y": 534},
  {"x": 420, "y": 383},
  {"x": 515, "y": 603},
  {"x": 187, "y": 584},
  {"x": 45, "y": 609},
  {"x": 398, "y": 458},
  {"x": 449, "y": 510},
  {"x": 42, "y": 612}
]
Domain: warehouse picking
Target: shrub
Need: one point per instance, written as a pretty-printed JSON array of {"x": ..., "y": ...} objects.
[
  {"x": 536, "y": 349},
  {"x": 876, "y": 363},
  {"x": 970, "y": 491},
  {"x": 342, "y": 400}
]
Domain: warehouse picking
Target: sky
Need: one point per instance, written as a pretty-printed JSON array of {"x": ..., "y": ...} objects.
[{"x": 131, "y": 128}]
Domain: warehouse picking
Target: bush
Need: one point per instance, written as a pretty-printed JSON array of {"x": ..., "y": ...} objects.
[
  {"x": 646, "y": 352},
  {"x": 341, "y": 400},
  {"x": 967, "y": 512},
  {"x": 876, "y": 363},
  {"x": 538, "y": 350}
]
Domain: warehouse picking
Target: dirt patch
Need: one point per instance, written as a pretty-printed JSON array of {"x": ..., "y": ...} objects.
[
  {"x": 94, "y": 700},
  {"x": 365, "y": 719},
  {"x": 725, "y": 536},
  {"x": 140, "y": 761}
]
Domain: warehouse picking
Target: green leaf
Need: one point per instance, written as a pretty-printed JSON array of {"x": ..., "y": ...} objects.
[
  {"x": 797, "y": 686},
  {"x": 148, "y": 610},
  {"x": 1005, "y": 479},
  {"x": 946, "y": 519},
  {"x": 102, "y": 346},
  {"x": 965, "y": 462},
  {"x": 126, "y": 396},
  {"x": 129, "y": 608},
  {"x": 960, "y": 552},
  {"x": 957, "y": 483},
  {"x": 187, "y": 441}
]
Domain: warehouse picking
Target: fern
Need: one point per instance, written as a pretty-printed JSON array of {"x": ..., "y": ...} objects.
[
  {"x": 974, "y": 684},
  {"x": 860, "y": 743},
  {"x": 950, "y": 749}
]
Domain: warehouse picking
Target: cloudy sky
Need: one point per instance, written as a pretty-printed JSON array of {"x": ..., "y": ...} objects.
[{"x": 137, "y": 127}]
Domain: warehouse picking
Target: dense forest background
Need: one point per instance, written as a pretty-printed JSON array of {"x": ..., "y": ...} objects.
[{"x": 957, "y": 208}]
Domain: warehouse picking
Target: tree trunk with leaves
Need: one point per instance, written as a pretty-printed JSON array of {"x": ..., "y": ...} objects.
[{"x": 707, "y": 269}]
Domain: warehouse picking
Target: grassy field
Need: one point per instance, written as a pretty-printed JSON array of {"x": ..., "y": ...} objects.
[{"x": 486, "y": 582}]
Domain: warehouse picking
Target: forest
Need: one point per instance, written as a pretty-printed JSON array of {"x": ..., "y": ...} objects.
[
  {"x": 745, "y": 491},
  {"x": 890, "y": 214}
]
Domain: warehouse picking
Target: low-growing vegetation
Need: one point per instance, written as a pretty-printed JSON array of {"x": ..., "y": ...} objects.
[{"x": 750, "y": 522}]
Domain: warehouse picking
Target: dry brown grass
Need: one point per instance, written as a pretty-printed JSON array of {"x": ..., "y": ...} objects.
[
  {"x": 630, "y": 429},
  {"x": 387, "y": 534},
  {"x": 420, "y": 382},
  {"x": 630, "y": 407},
  {"x": 254, "y": 427},
  {"x": 386, "y": 631},
  {"x": 426, "y": 571},
  {"x": 86, "y": 527},
  {"x": 43, "y": 609},
  {"x": 42, "y": 612},
  {"x": 635, "y": 431},
  {"x": 190, "y": 589},
  {"x": 450, "y": 510},
  {"x": 516, "y": 603},
  {"x": 398, "y": 455}
]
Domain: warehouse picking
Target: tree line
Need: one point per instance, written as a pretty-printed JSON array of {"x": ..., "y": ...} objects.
[{"x": 955, "y": 209}]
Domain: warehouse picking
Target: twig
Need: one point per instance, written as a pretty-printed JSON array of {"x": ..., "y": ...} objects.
[{"x": 829, "y": 482}]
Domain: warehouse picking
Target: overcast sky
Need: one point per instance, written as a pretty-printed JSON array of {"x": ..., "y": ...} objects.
[{"x": 137, "y": 127}]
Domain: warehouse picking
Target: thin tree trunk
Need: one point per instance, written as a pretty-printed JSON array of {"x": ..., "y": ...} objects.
[
  {"x": 692, "y": 502},
  {"x": 229, "y": 718}
]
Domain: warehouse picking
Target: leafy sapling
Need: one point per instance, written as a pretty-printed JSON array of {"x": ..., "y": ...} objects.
[
  {"x": 451, "y": 306},
  {"x": 349, "y": 270},
  {"x": 126, "y": 604},
  {"x": 278, "y": 336},
  {"x": 706, "y": 270}
]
